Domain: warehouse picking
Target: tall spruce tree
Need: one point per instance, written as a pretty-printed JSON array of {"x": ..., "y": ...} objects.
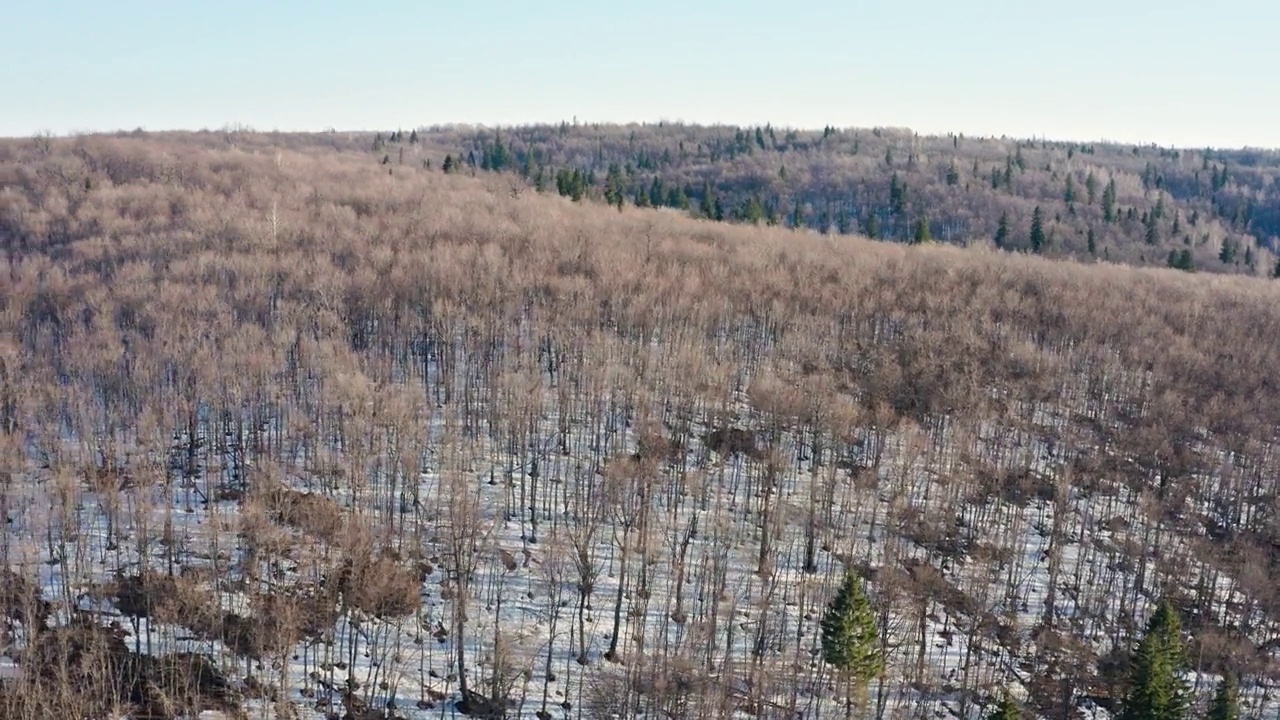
[
  {"x": 1109, "y": 201},
  {"x": 1226, "y": 700},
  {"x": 923, "y": 234},
  {"x": 1157, "y": 690},
  {"x": 850, "y": 639},
  {"x": 1037, "y": 230},
  {"x": 1002, "y": 232}
]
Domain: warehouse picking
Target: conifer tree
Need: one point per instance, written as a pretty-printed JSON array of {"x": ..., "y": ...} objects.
[
  {"x": 1037, "y": 230},
  {"x": 850, "y": 641},
  {"x": 614, "y": 192},
  {"x": 1005, "y": 709},
  {"x": 1226, "y": 700},
  {"x": 1109, "y": 201},
  {"x": 872, "y": 226},
  {"x": 1152, "y": 234},
  {"x": 923, "y": 234},
  {"x": 708, "y": 206},
  {"x": 897, "y": 195},
  {"x": 1157, "y": 690},
  {"x": 1002, "y": 232}
]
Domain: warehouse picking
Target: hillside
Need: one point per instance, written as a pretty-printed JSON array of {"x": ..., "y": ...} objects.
[
  {"x": 291, "y": 432},
  {"x": 1214, "y": 210}
]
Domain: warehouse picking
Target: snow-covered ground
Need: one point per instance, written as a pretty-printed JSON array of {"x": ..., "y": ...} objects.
[{"x": 714, "y": 576}]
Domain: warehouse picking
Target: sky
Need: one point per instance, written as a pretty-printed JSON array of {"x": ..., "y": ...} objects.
[{"x": 1172, "y": 72}]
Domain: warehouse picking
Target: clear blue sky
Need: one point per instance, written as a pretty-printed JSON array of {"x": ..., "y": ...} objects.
[{"x": 1167, "y": 71}]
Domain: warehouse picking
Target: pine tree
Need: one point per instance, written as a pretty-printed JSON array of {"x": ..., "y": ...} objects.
[
  {"x": 1226, "y": 700},
  {"x": 1005, "y": 709},
  {"x": 413, "y": 137},
  {"x": 850, "y": 638},
  {"x": 1037, "y": 230},
  {"x": 923, "y": 234},
  {"x": 1069, "y": 195},
  {"x": 897, "y": 195},
  {"x": 953, "y": 174},
  {"x": 1109, "y": 201},
  {"x": 1092, "y": 241},
  {"x": 1157, "y": 690},
  {"x": 872, "y": 226},
  {"x": 708, "y": 206},
  {"x": 1182, "y": 260},
  {"x": 614, "y": 191},
  {"x": 1091, "y": 188},
  {"x": 1002, "y": 232},
  {"x": 1228, "y": 252}
]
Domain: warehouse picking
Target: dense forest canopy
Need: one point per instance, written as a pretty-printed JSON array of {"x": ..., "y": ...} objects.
[{"x": 291, "y": 427}]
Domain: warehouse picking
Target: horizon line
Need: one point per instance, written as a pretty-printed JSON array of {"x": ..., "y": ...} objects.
[{"x": 233, "y": 126}]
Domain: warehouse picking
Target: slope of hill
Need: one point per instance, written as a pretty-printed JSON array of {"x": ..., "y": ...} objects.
[
  {"x": 288, "y": 430},
  {"x": 1216, "y": 210}
]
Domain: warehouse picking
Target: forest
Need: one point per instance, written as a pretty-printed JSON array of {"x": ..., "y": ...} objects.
[
  {"x": 1207, "y": 209},
  {"x": 295, "y": 428}
]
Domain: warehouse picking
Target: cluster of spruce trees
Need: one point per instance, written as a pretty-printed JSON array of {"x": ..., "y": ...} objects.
[{"x": 1157, "y": 687}]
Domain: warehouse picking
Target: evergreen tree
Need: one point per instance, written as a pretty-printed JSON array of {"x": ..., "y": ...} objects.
[
  {"x": 413, "y": 137},
  {"x": 843, "y": 224},
  {"x": 1002, "y": 232},
  {"x": 850, "y": 638},
  {"x": 1069, "y": 195},
  {"x": 1092, "y": 242},
  {"x": 1152, "y": 229},
  {"x": 1005, "y": 709},
  {"x": 1181, "y": 260},
  {"x": 872, "y": 226},
  {"x": 448, "y": 164},
  {"x": 1109, "y": 201},
  {"x": 923, "y": 234},
  {"x": 614, "y": 189},
  {"x": 708, "y": 206},
  {"x": 1226, "y": 700},
  {"x": 1157, "y": 690},
  {"x": 953, "y": 174},
  {"x": 1037, "y": 230},
  {"x": 897, "y": 195},
  {"x": 1228, "y": 252},
  {"x": 1091, "y": 188}
]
